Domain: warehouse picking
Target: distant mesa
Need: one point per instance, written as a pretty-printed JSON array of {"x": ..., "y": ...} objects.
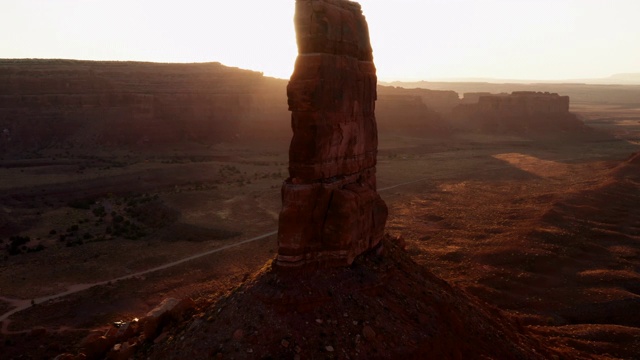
[
  {"x": 441, "y": 101},
  {"x": 525, "y": 113},
  {"x": 331, "y": 211},
  {"x": 625, "y": 78}
]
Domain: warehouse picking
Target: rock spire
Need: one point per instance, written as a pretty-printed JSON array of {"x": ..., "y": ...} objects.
[{"x": 331, "y": 211}]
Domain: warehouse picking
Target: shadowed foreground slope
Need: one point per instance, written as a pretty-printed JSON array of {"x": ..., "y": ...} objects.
[{"x": 381, "y": 307}]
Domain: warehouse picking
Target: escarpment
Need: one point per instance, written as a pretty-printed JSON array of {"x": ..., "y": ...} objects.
[
  {"x": 331, "y": 211},
  {"x": 63, "y": 102}
]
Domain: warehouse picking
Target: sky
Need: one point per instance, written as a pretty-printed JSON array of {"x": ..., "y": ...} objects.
[{"x": 411, "y": 39}]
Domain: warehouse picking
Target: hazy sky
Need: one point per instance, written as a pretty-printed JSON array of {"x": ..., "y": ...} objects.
[{"x": 412, "y": 39}]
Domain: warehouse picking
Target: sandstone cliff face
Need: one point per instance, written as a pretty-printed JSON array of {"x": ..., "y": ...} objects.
[
  {"x": 414, "y": 112},
  {"x": 474, "y": 97},
  {"x": 48, "y": 102},
  {"x": 525, "y": 103},
  {"x": 441, "y": 101},
  {"x": 331, "y": 210},
  {"x": 408, "y": 115},
  {"x": 521, "y": 113}
]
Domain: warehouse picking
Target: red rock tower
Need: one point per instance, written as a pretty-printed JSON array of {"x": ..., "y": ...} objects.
[{"x": 331, "y": 211}]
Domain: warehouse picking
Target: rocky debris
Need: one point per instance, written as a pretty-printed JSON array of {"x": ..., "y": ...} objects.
[
  {"x": 95, "y": 345},
  {"x": 67, "y": 356},
  {"x": 399, "y": 240},
  {"x": 238, "y": 334},
  {"x": 169, "y": 310},
  {"x": 331, "y": 211},
  {"x": 395, "y": 309},
  {"x": 127, "y": 330},
  {"x": 520, "y": 113},
  {"x": 123, "y": 351},
  {"x": 124, "y": 338},
  {"x": 368, "y": 333}
]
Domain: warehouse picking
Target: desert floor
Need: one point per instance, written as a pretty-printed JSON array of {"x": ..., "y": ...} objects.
[{"x": 502, "y": 218}]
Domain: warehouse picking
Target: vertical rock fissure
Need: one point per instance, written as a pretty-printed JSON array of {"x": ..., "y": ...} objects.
[
  {"x": 323, "y": 240},
  {"x": 331, "y": 211}
]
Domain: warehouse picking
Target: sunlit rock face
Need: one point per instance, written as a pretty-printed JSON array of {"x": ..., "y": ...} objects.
[{"x": 331, "y": 211}]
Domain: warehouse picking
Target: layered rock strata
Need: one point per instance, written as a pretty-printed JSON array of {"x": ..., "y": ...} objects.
[
  {"x": 521, "y": 112},
  {"x": 64, "y": 103},
  {"x": 441, "y": 101},
  {"x": 331, "y": 211}
]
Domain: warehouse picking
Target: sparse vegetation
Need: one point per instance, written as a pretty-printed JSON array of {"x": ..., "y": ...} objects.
[
  {"x": 83, "y": 204},
  {"x": 17, "y": 244}
]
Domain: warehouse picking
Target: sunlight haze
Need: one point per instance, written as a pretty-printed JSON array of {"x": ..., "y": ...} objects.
[{"x": 412, "y": 39}]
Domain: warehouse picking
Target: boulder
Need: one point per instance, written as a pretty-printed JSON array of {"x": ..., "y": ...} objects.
[
  {"x": 95, "y": 346},
  {"x": 169, "y": 309},
  {"x": 122, "y": 351}
]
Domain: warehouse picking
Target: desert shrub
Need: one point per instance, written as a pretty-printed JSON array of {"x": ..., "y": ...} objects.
[
  {"x": 154, "y": 214},
  {"x": 128, "y": 230},
  {"x": 83, "y": 204},
  {"x": 38, "y": 248},
  {"x": 74, "y": 242},
  {"x": 16, "y": 244},
  {"x": 99, "y": 211}
]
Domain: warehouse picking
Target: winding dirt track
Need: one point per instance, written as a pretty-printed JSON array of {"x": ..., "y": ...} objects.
[{"x": 25, "y": 304}]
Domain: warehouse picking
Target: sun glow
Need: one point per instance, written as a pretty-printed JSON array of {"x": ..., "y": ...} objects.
[{"x": 412, "y": 39}]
